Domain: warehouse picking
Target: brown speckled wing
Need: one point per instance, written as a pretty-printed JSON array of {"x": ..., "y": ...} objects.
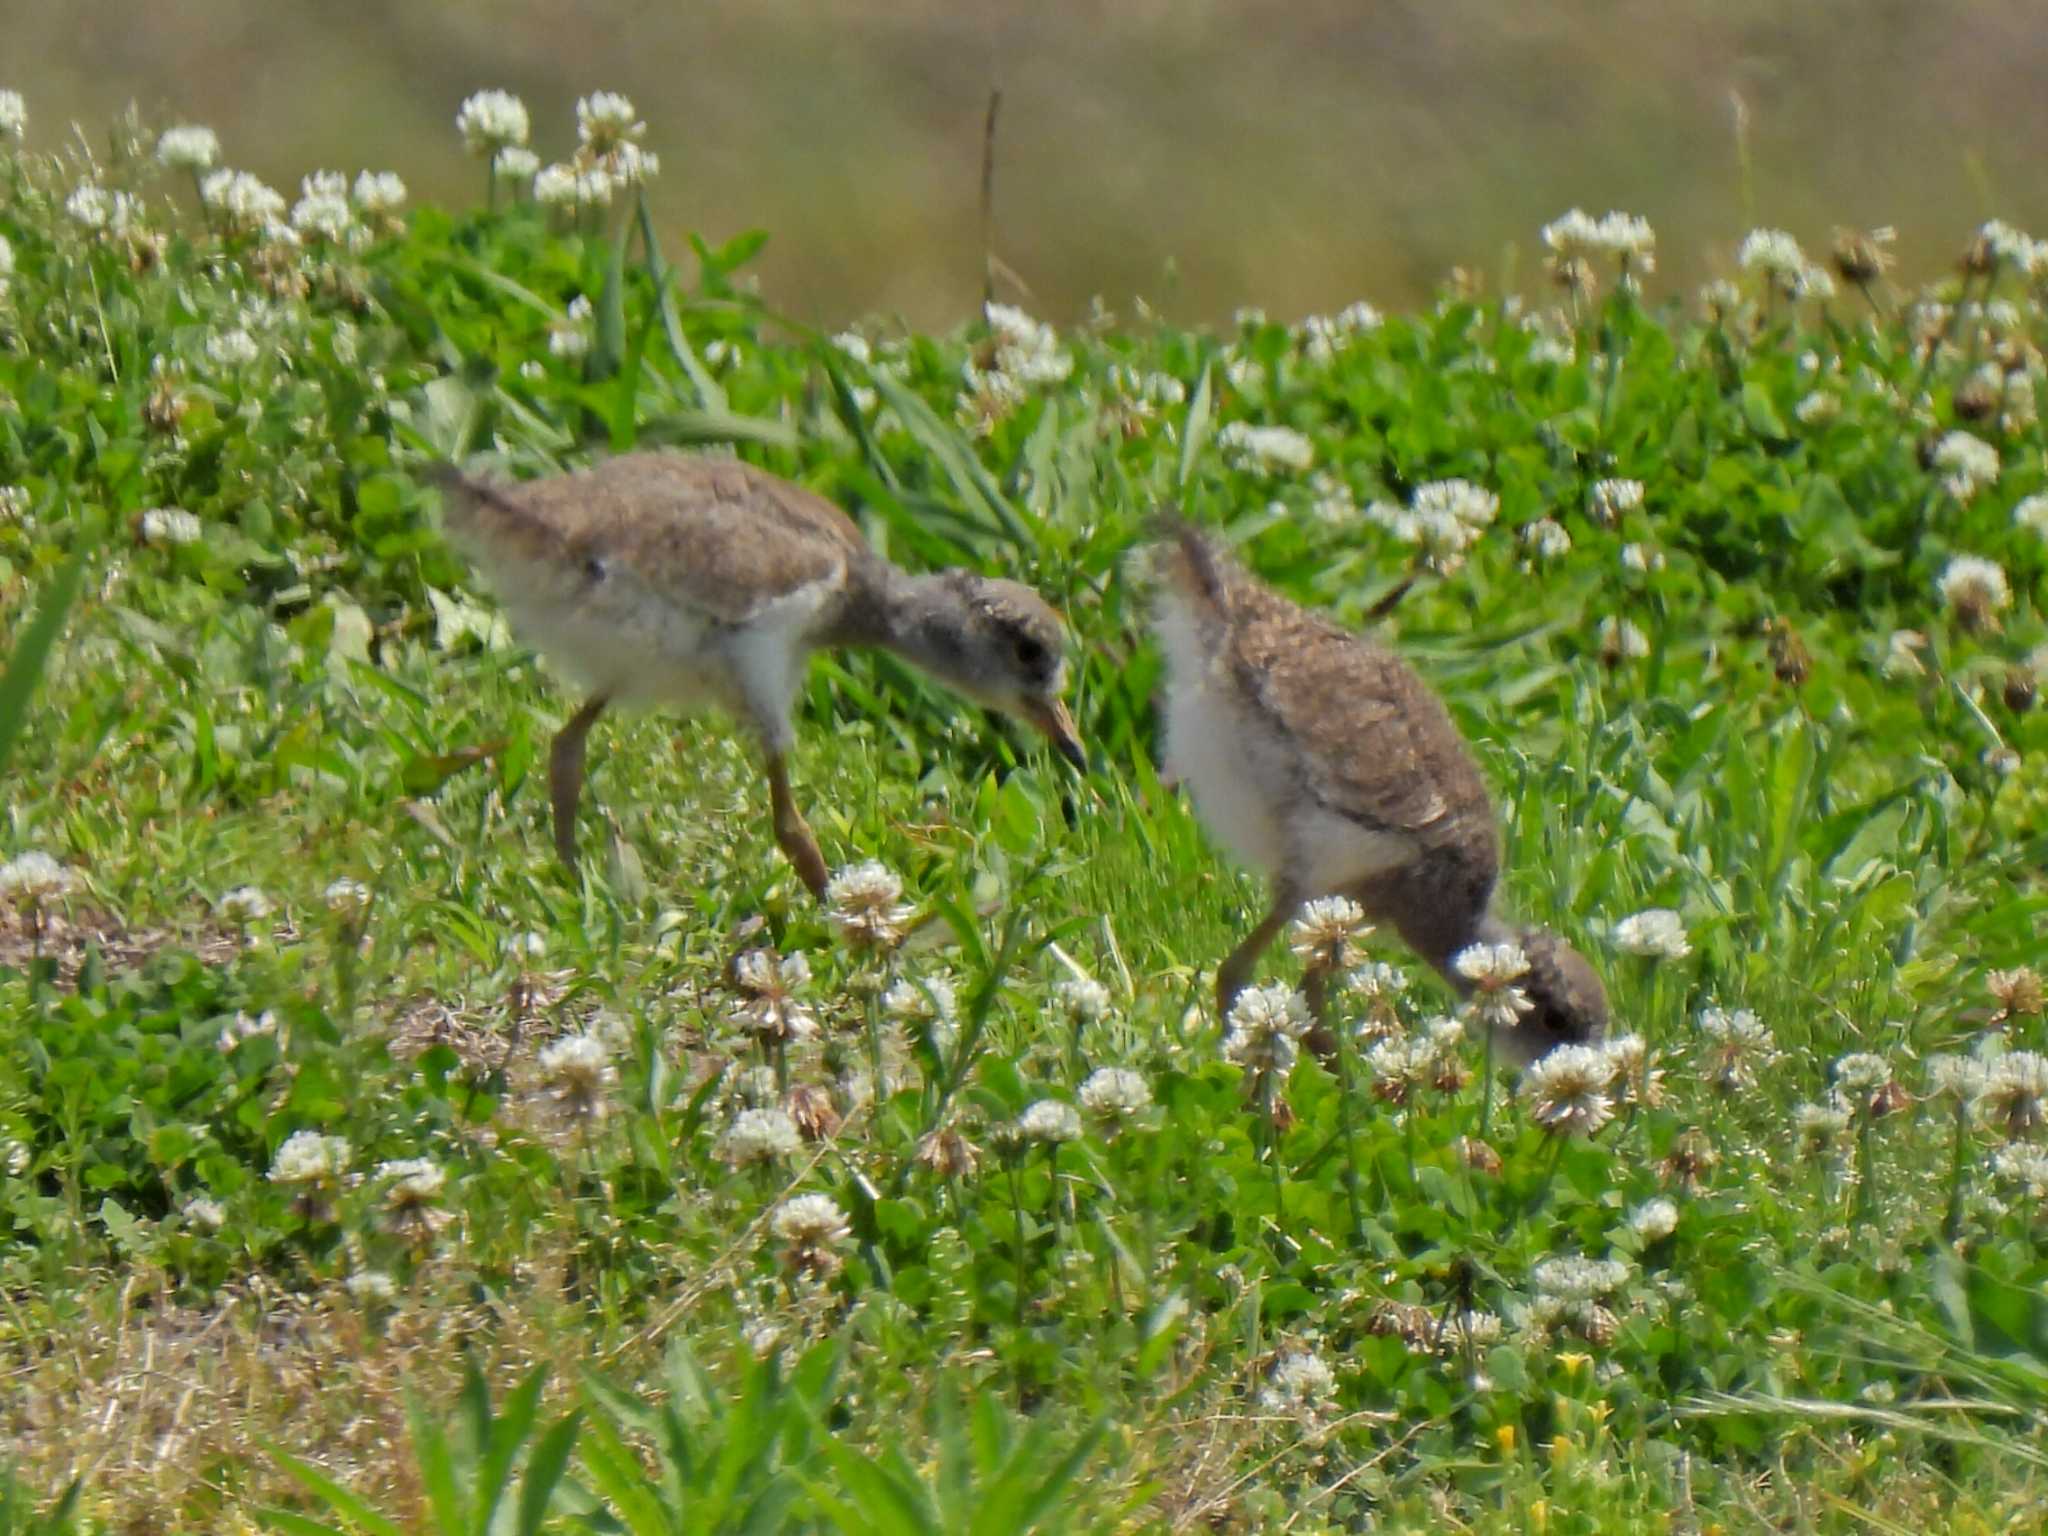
[
  {"x": 719, "y": 536},
  {"x": 1373, "y": 742}
]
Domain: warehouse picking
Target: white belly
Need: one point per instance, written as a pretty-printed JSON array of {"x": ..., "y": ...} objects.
[
  {"x": 1246, "y": 785},
  {"x": 1205, "y": 745}
]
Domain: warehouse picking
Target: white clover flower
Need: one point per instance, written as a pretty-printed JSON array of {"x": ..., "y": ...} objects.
[
  {"x": 242, "y": 200},
  {"x": 927, "y": 1000},
  {"x": 1358, "y": 316},
  {"x": 1641, "y": 558},
  {"x": 1630, "y": 239},
  {"x": 13, "y": 115},
  {"x": 1444, "y": 517},
  {"x": 347, "y": 897},
  {"x": 1962, "y": 1078},
  {"x": 245, "y": 904},
  {"x": 1967, "y": 463},
  {"x": 579, "y": 1073},
  {"x": 1629, "y": 1076},
  {"x": 1902, "y": 653},
  {"x": 2025, "y": 1165},
  {"x": 515, "y": 163},
  {"x": 245, "y": 1026},
  {"x": 1265, "y": 1028},
  {"x": 773, "y": 1011},
  {"x": 323, "y": 209},
  {"x": 232, "y": 349},
  {"x": 1026, "y": 350},
  {"x": 204, "y": 1214},
  {"x": 1621, "y": 640},
  {"x": 1265, "y": 450},
  {"x": 1608, "y": 500},
  {"x": 307, "y": 1157},
  {"x": 2005, "y": 242},
  {"x": 188, "y": 147},
  {"x": 1738, "y": 1045},
  {"x": 761, "y": 1136},
  {"x": 1573, "y": 1279},
  {"x": 1573, "y": 234},
  {"x": 1976, "y": 589},
  {"x": 1377, "y": 979},
  {"x": 2015, "y": 1096},
  {"x": 1775, "y": 254},
  {"x": 1654, "y": 1220},
  {"x": 1299, "y": 1384},
  {"x": 1860, "y": 1071},
  {"x": 1547, "y": 539},
  {"x": 1817, "y": 408},
  {"x": 1397, "y": 1068},
  {"x": 810, "y": 1221},
  {"x": 1460, "y": 500},
  {"x": 1116, "y": 1093},
  {"x": 631, "y": 166},
  {"x": 1083, "y": 999},
  {"x": 1491, "y": 966},
  {"x": 1821, "y": 1126},
  {"x": 412, "y": 1181},
  {"x": 1657, "y": 933},
  {"x": 491, "y": 121},
  {"x": 557, "y": 186},
  {"x": 370, "y": 1286},
  {"x": 1325, "y": 933},
  {"x": 2032, "y": 513},
  {"x": 1815, "y": 283},
  {"x": 379, "y": 192},
  {"x": 164, "y": 527},
  {"x": 1552, "y": 351},
  {"x": 523, "y": 947},
  {"x": 33, "y": 877},
  {"x": 572, "y": 335},
  {"x": 90, "y": 204},
  {"x": 1566, "y": 1090},
  {"x": 1050, "y": 1121},
  {"x": 606, "y": 118},
  {"x": 864, "y": 902}
]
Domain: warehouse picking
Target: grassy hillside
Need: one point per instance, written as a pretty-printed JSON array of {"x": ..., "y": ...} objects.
[{"x": 365, "y": 1171}]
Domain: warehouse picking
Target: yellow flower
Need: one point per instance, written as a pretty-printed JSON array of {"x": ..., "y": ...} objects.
[
  {"x": 1504, "y": 1437},
  {"x": 1573, "y": 1362}
]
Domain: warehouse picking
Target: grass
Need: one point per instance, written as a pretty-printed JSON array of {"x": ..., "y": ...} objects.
[{"x": 1258, "y": 1302}]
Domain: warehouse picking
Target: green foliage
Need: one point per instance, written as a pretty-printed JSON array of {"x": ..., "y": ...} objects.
[{"x": 1706, "y": 702}]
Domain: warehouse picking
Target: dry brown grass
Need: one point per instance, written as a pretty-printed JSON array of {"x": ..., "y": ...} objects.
[{"x": 168, "y": 1412}]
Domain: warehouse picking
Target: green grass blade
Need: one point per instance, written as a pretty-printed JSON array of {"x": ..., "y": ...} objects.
[
  {"x": 1195, "y": 436},
  {"x": 32, "y": 653},
  {"x": 544, "y": 1471},
  {"x": 350, "y": 1506},
  {"x": 970, "y": 481},
  {"x": 297, "y": 1525},
  {"x": 619, "y": 1476},
  {"x": 502, "y": 1443},
  {"x": 437, "y": 1470}
]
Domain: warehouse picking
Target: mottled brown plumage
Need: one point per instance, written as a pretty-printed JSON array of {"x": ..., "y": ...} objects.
[
  {"x": 1320, "y": 756},
  {"x": 677, "y": 580}
]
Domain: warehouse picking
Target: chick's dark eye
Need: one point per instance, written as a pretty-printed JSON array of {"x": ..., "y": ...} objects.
[{"x": 1031, "y": 653}]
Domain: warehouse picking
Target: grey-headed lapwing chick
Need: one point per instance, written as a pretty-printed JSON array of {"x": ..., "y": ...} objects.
[
  {"x": 674, "y": 580},
  {"x": 1320, "y": 757}
]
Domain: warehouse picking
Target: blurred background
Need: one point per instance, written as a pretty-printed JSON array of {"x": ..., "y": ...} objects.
[{"x": 1200, "y": 153}]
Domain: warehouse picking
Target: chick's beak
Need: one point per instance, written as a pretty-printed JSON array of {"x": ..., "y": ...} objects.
[{"x": 1051, "y": 717}]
